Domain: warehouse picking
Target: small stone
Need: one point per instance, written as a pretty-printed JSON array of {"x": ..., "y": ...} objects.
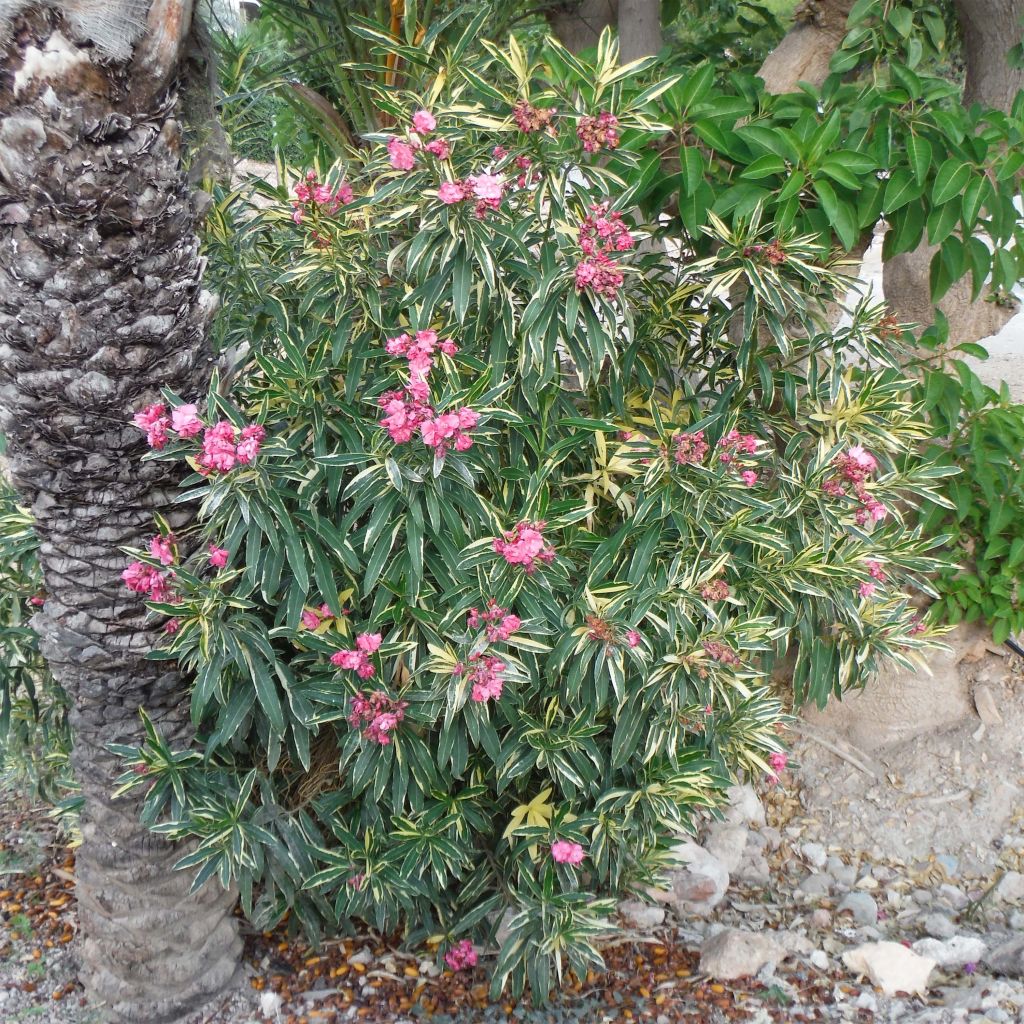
[
  {"x": 773, "y": 837},
  {"x": 270, "y": 1005},
  {"x": 821, "y": 918},
  {"x": 985, "y": 704},
  {"x": 861, "y": 906},
  {"x": 949, "y": 862},
  {"x": 819, "y": 958},
  {"x": 816, "y": 885},
  {"x": 1011, "y": 887},
  {"x": 641, "y": 915},
  {"x": 867, "y": 1001},
  {"x": 429, "y": 969},
  {"x": 1017, "y": 920},
  {"x": 844, "y": 874},
  {"x": 814, "y": 854},
  {"x": 867, "y": 883},
  {"x": 938, "y": 926},
  {"x": 698, "y": 885},
  {"x": 891, "y": 966},
  {"x": 957, "y": 900},
  {"x": 754, "y": 870},
  {"x": 1008, "y": 958},
  {"x": 954, "y": 952},
  {"x": 734, "y": 953}
]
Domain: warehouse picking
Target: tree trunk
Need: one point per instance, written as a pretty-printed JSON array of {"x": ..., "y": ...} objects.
[
  {"x": 804, "y": 53},
  {"x": 990, "y": 28},
  {"x": 100, "y": 305},
  {"x": 578, "y": 23},
  {"x": 639, "y": 29}
]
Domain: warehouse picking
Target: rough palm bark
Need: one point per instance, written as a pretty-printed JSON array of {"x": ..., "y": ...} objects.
[
  {"x": 804, "y": 52},
  {"x": 989, "y": 28},
  {"x": 100, "y": 305}
]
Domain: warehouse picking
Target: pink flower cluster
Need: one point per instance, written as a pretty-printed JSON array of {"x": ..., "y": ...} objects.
[
  {"x": 311, "y": 195},
  {"x": 222, "y": 448},
  {"x": 633, "y": 638},
  {"x": 690, "y": 449},
  {"x": 721, "y": 653},
  {"x": 525, "y": 545},
  {"x": 419, "y": 350},
  {"x": 597, "y": 132},
  {"x": 449, "y": 429},
  {"x": 715, "y": 590},
  {"x": 732, "y": 447},
  {"x": 402, "y": 154},
  {"x": 524, "y": 163},
  {"x": 854, "y": 467},
  {"x": 148, "y": 580},
  {"x": 484, "y": 672},
  {"x": 564, "y": 851},
  {"x": 778, "y": 762},
  {"x": 359, "y": 658},
  {"x": 462, "y": 956},
  {"x": 601, "y": 234},
  {"x": 312, "y": 619},
  {"x": 604, "y": 231},
  {"x": 876, "y": 572},
  {"x": 530, "y": 119},
  {"x": 218, "y": 556},
  {"x": 486, "y": 189},
  {"x": 378, "y": 715},
  {"x": 500, "y": 625}
]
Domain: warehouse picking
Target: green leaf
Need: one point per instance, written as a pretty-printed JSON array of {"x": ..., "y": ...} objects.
[
  {"x": 840, "y": 214},
  {"x": 950, "y": 180},
  {"x": 919, "y": 153}
]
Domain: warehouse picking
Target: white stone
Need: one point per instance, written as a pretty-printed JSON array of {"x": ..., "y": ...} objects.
[
  {"x": 1011, "y": 887},
  {"x": 641, "y": 915},
  {"x": 819, "y": 958},
  {"x": 698, "y": 885},
  {"x": 270, "y": 1005},
  {"x": 862, "y": 906},
  {"x": 745, "y": 806},
  {"x": 891, "y": 966},
  {"x": 814, "y": 854},
  {"x": 954, "y": 952},
  {"x": 727, "y": 843},
  {"x": 429, "y": 968},
  {"x": 938, "y": 926},
  {"x": 734, "y": 953}
]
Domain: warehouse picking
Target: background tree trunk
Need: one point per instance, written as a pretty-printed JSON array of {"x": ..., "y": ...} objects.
[
  {"x": 804, "y": 52},
  {"x": 579, "y": 23},
  {"x": 639, "y": 29},
  {"x": 990, "y": 28},
  {"x": 100, "y": 305}
]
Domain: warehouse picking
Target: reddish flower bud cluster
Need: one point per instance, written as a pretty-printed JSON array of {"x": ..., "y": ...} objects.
[
  {"x": 690, "y": 449},
  {"x": 597, "y": 132},
  {"x": 530, "y": 119},
  {"x": 500, "y": 625},
  {"x": 772, "y": 252},
  {"x": 604, "y": 231},
  {"x": 462, "y": 956},
  {"x": 715, "y": 590},
  {"x": 732, "y": 448},
  {"x": 854, "y": 467},
  {"x": 721, "y": 653},
  {"x": 377, "y": 715},
  {"x": 311, "y": 196},
  {"x": 484, "y": 673},
  {"x": 525, "y": 545}
]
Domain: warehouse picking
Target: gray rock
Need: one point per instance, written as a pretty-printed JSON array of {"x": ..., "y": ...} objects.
[
  {"x": 640, "y": 915},
  {"x": 814, "y": 854},
  {"x": 1017, "y": 920},
  {"x": 1008, "y": 958},
  {"x": 698, "y": 885},
  {"x": 821, "y": 918},
  {"x": 773, "y": 837},
  {"x": 938, "y": 926},
  {"x": 744, "y": 806},
  {"x": 727, "y": 843},
  {"x": 949, "y": 862},
  {"x": 954, "y": 952},
  {"x": 957, "y": 900},
  {"x": 862, "y": 905},
  {"x": 1011, "y": 887},
  {"x": 734, "y": 953},
  {"x": 819, "y": 958},
  {"x": 844, "y": 874},
  {"x": 816, "y": 885},
  {"x": 754, "y": 870}
]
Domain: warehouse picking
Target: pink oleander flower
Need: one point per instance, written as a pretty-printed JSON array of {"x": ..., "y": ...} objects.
[
  {"x": 715, "y": 590},
  {"x": 721, "y": 653},
  {"x": 833, "y": 488},
  {"x": 310, "y": 620},
  {"x": 451, "y": 192},
  {"x": 525, "y": 545},
  {"x": 749, "y": 477},
  {"x": 601, "y": 231},
  {"x": 171, "y": 626},
  {"x": 531, "y": 119},
  {"x": 404, "y": 414},
  {"x": 439, "y": 148},
  {"x": 358, "y": 660},
  {"x": 499, "y": 152},
  {"x": 162, "y": 549},
  {"x": 449, "y": 430},
  {"x": 600, "y": 274},
  {"x": 484, "y": 673},
  {"x": 488, "y": 187},
  {"x": 219, "y": 452},
  {"x": 154, "y": 421},
  {"x": 499, "y": 622},
  {"x": 252, "y": 437},
  {"x": 690, "y": 449},
  {"x": 185, "y": 421},
  {"x": 633, "y": 638},
  {"x": 140, "y": 577},
  {"x": 368, "y": 643},
  {"x": 401, "y": 155},
  {"x": 423, "y": 122},
  {"x": 218, "y": 556},
  {"x": 597, "y": 132},
  {"x": 37, "y": 600},
  {"x": 377, "y": 715},
  {"x": 565, "y": 852},
  {"x": 462, "y": 956},
  {"x": 778, "y": 761},
  {"x": 448, "y": 347},
  {"x": 875, "y": 570},
  {"x": 866, "y": 589}
]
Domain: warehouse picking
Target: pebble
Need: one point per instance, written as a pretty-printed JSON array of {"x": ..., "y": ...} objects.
[
  {"x": 816, "y": 885},
  {"x": 1017, "y": 920},
  {"x": 861, "y": 905},
  {"x": 814, "y": 854},
  {"x": 938, "y": 926},
  {"x": 819, "y": 958},
  {"x": 821, "y": 918},
  {"x": 641, "y": 915},
  {"x": 844, "y": 874},
  {"x": 956, "y": 898},
  {"x": 1011, "y": 887},
  {"x": 954, "y": 952}
]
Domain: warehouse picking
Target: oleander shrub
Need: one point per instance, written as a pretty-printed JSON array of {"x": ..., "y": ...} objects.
[{"x": 505, "y": 523}]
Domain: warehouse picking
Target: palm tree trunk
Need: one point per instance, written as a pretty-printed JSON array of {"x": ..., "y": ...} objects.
[{"x": 100, "y": 304}]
